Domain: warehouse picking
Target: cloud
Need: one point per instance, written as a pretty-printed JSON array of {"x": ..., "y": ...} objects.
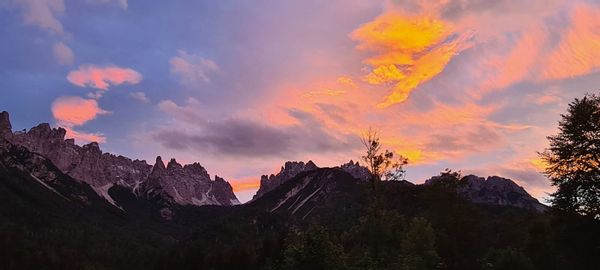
[
  {"x": 71, "y": 112},
  {"x": 63, "y": 54},
  {"x": 578, "y": 52},
  {"x": 75, "y": 111},
  {"x": 84, "y": 137},
  {"x": 192, "y": 69},
  {"x": 140, "y": 96},
  {"x": 245, "y": 184},
  {"x": 42, "y": 13},
  {"x": 240, "y": 137},
  {"x": 409, "y": 51},
  {"x": 103, "y": 77}
]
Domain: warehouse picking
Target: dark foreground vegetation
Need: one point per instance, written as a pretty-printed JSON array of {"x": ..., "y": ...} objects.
[{"x": 403, "y": 227}]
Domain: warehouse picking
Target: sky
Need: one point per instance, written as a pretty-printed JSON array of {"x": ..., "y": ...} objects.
[{"x": 243, "y": 86}]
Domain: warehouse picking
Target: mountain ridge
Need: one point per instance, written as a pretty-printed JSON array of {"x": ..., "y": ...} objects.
[{"x": 102, "y": 171}]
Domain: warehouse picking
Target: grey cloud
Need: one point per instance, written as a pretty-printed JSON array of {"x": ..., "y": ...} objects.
[{"x": 240, "y": 137}]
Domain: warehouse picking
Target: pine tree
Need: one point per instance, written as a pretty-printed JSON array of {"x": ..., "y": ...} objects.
[{"x": 573, "y": 158}]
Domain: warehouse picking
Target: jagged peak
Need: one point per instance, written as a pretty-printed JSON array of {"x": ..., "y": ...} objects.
[
  {"x": 173, "y": 164},
  {"x": 159, "y": 165},
  {"x": 93, "y": 147},
  {"x": 44, "y": 130},
  {"x": 5, "y": 126},
  {"x": 195, "y": 168}
]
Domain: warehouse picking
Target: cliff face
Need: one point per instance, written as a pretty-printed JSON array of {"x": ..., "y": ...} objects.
[
  {"x": 189, "y": 184},
  {"x": 287, "y": 172},
  {"x": 293, "y": 168},
  {"x": 494, "y": 190}
]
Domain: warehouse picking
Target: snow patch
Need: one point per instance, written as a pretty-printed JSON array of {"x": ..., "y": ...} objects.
[
  {"x": 103, "y": 192},
  {"x": 305, "y": 200},
  {"x": 178, "y": 197},
  {"x": 291, "y": 193},
  {"x": 49, "y": 187}
]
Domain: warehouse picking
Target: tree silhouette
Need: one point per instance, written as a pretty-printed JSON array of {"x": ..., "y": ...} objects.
[
  {"x": 573, "y": 158},
  {"x": 383, "y": 164}
]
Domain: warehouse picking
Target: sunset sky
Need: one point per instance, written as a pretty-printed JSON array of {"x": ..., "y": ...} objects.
[{"x": 243, "y": 86}]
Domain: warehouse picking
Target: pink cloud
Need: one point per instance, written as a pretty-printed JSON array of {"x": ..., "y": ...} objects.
[
  {"x": 71, "y": 112},
  {"x": 103, "y": 77},
  {"x": 75, "y": 111},
  {"x": 84, "y": 137}
]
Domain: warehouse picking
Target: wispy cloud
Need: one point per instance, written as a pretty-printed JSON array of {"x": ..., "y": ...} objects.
[
  {"x": 140, "y": 96},
  {"x": 192, "y": 69},
  {"x": 64, "y": 55},
  {"x": 43, "y": 13}
]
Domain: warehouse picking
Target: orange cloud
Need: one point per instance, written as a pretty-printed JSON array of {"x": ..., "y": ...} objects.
[
  {"x": 578, "y": 53},
  {"x": 103, "y": 77},
  {"x": 245, "y": 184},
  {"x": 409, "y": 51},
  {"x": 71, "y": 112},
  {"x": 346, "y": 81},
  {"x": 521, "y": 61}
]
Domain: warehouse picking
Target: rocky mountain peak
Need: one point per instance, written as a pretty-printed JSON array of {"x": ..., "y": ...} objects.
[
  {"x": 87, "y": 163},
  {"x": 287, "y": 172},
  {"x": 92, "y": 147},
  {"x": 356, "y": 170},
  {"x": 5, "y": 126},
  {"x": 159, "y": 166},
  {"x": 196, "y": 168},
  {"x": 43, "y": 131},
  {"x": 173, "y": 165},
  {"x": 493, "y": 190}
]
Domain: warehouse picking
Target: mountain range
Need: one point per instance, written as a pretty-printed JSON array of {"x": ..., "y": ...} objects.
[{"x": 56, "y": 193}]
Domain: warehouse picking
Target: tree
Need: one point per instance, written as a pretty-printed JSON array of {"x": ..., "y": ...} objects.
[
  {"x": 383, "y": 164},
  {"x": 418, "y": 246},
  {"x": 312, "y": 249},
  {"x": 573, "y": 158}
]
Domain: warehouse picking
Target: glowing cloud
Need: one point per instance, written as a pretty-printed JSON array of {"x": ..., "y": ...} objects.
[
  {"x": 578, "y": 53},
  {"x": 245, "y": 184},
  {"x": 103, "y": 77},
  {"x": 70, "y": 112},
  {"x": 409, "y": 51},
  {"x": 75, "y": 111}
]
